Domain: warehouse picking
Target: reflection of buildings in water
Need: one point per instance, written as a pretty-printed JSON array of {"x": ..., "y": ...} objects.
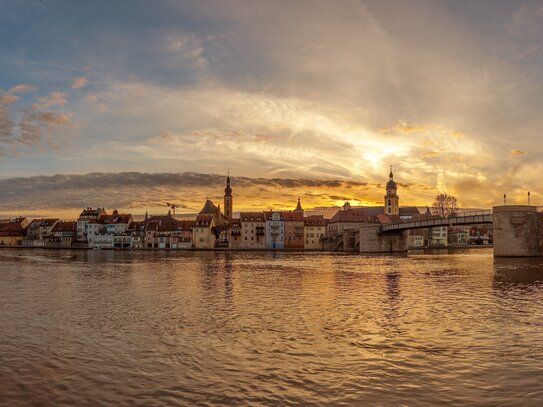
[
  {"x": 392, "y": 289},
  {"x": 513, "y": 272},
  {"x": 217, "y": 275}
]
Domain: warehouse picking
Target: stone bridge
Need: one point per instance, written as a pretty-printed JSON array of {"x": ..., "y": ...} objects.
[{"x": 518, "y": 232}]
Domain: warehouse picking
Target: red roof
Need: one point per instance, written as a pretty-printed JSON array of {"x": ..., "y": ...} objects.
[
  {"x": 251, "y": 217},
  {"x": 352, "y": 215},
  {"x": 315, "y": 220},
  {"x": 293, "y": 216},
  {"x": 65, "y": 227}
]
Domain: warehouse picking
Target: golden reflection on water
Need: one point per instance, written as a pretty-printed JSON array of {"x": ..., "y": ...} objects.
[{"x": 125, "y": 328}]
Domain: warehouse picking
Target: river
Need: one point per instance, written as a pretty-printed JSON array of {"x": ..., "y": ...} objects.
[{"x": 111, "y": 328}]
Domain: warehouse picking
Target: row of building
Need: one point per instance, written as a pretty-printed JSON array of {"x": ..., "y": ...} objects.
[{"x": 211, "y": 228}]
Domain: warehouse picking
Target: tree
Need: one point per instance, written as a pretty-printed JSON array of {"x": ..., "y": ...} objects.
[{"x": 445, "y": 205}]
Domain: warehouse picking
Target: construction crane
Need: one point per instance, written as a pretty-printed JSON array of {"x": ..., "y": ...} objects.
[{"x": 173, "y": 207}]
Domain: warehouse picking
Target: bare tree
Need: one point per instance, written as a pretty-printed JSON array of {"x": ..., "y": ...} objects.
[{"x": 445, "y": 205}]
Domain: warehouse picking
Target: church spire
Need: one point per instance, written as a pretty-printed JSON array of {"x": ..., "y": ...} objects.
[
  {"x": 228, "y": 200},
  {"x": 391, "y": 175},
  {"x": 299, "y": 207}
]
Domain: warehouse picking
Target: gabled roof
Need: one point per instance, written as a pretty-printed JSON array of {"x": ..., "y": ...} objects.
[
  {"x": 204, "y": 220},
  {"x": 209, "y": 208}
]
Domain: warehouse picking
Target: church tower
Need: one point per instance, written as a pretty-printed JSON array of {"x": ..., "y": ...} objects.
[
  {"x": 228, "y": 204},
  {"x": 392, "y": 200}
]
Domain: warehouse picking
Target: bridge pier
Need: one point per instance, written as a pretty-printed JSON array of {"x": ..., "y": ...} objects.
[
  {"x": 517, "y": 231},
  {"x": 373, "y": 240}
]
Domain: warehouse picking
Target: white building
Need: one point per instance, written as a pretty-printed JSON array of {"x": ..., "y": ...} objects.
[{"x": 275, "y": 230}]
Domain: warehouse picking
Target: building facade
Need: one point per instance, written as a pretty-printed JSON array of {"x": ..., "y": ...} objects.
[
  {"x": 253, "y": 227},
  {"x": 275, "y": 230}
]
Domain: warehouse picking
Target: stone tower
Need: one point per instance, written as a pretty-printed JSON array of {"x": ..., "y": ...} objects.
[
  {"x": 392, "y": 200},
  {"x": 228, "y": 201}
]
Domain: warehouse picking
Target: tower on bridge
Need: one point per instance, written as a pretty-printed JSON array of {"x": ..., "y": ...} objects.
[{"x": 392, "y": 200}]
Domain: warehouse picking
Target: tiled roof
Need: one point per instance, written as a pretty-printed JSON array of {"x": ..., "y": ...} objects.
[
  {"x": 203, "y": 220},
  {"x": 353, "y": 215},
  {"x": 293, "y": 216},
  {"x": 268, "y": 215},
  {"x": 386, "y": 219},
  {"x": 251, "y": 217},
  {"x": 61, "y": 226},
  {"x": 116, "y": 219},
  {"x": 315, "y": 220},
  {"x": 235, "y": 222}
]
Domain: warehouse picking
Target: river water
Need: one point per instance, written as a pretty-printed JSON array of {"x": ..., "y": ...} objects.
[{"x": 105, "y": 328}]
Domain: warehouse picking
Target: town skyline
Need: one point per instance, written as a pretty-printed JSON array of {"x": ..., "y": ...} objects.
[{"x": 161, "y": 100}]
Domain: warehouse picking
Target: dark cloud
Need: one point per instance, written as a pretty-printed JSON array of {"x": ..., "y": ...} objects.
[{"x": 138, "y": 190}]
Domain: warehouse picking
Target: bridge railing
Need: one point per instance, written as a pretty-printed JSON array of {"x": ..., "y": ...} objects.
[{"x": 467, "y": 212}]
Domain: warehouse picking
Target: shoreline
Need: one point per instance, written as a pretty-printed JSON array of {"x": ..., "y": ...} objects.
[{"x": 423, "y": 250}]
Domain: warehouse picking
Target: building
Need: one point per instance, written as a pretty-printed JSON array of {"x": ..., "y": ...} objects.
[
  {"x": 110, "y": 231},
  {"x": 253, "y": 226},
  {"x": 458, "y": 237},
  {"x": 63, "y": 234},
  {"x": 165, "y": 232},
  {"x": 314, "y": 232},
  {"x": 294, "y": 229},
  {"x": 13, "y": 232},
  {"x": 438, "y": 237},
  {"x": 39, "y": 229},
  {"x": 203, "y": 232},
  {"x": 235, "y": 238},
  {"x": 349, "y": 219},
  {"x": 86, "y": 216},
  {"x": 415, "y": 240},
  {"x": 228, "y": 199},
  {"x": 392, "y": 200},
  {"x": 275, "y": 230}
]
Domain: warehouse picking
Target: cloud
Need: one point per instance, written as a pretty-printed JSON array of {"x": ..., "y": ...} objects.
[
  {"x": 137, "y": 191},
  {"x": 41, "y": 128},
  {"x": 517, "y": 153},
  {"x": 22, "y": 88},
  {"x": 79, "y": 82},
  {"x": 51, "y": 100},
  {"x": 7, "y": 123}
]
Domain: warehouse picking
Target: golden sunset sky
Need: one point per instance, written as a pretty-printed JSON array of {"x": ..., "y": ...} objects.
[{"x": 132, "y": 104}]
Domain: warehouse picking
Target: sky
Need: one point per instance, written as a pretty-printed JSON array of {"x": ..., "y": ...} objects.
[{"x": 131, "y": 104}]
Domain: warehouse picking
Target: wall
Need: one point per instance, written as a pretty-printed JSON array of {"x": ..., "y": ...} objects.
[
  {"x": 517, "y": 231},
  {"x": 373, "y": 241}
]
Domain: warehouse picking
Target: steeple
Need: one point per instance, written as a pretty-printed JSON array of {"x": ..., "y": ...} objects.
[
  {"x": 392, "y": 200},
  {"x": 299, "y": 207},
  {"x": 228, "y": 199}
]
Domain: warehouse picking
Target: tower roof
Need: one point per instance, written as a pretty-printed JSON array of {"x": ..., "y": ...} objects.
[
  {"x": 391, "y": 184},
  {"x": 299, "y": 206},
  {"x": 228, "y": 190}
]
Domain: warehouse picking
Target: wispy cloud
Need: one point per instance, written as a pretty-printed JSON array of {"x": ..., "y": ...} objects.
[
  {"x": 79, "y": 82},
  {"x": 22, "y": 88}
]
